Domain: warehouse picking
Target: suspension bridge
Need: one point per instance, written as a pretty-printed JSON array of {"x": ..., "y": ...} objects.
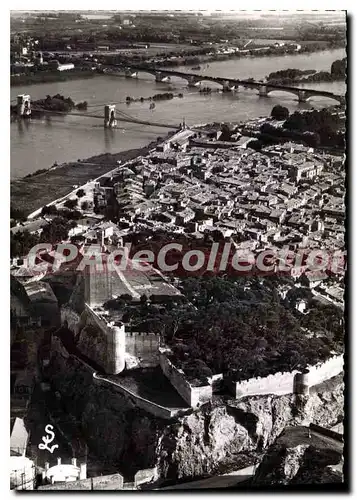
[{"x": 111, "y": 114}]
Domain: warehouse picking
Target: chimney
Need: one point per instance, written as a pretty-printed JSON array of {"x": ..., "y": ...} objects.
[
  {"x": 59, "y": 461},
  {"x": 74, "y": 462},
  {"x": 47, "y": 466}
]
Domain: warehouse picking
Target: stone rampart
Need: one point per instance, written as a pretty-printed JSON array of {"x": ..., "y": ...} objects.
[
  {"x": 285, "y": 383},
  {"x": 194, "y": 396}
]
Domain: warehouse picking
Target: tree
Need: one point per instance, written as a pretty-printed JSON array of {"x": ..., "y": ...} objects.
[
  {"x": 85, "y": 205},
  {"x": 256, "y": 144},
  {"x": 80, "y": 193},
  {"x": 17, "y": 214},
  {"x": 22, "y": 242},
  {"x": 56, "y": 231},
  {"x": 338, "y": 68},
  {"x": 70, "y": 204},
  {"x": 226, "y": 133},
  {"x": 279, "y": 112},
  {"x": 49, "y": 210}
]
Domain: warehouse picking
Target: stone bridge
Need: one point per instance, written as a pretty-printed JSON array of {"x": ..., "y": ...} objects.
[{"x": 264, "y": 89}]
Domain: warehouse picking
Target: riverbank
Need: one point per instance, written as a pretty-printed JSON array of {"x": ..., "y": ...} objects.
[
  {"x": 257, "y": 52},
  {"x": 33, "y": 192},
  {"x": 49, "y": 77}
]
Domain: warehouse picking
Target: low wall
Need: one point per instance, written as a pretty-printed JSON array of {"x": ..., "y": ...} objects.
[
  {"x": 145, "y": 476},
  {"x": 115, "y": 481},
  {"x": 285, "y": 383},
  {"x": 110, "y": 482},
  {"x": 144, "y": 346},
  {"x": 194, "y": 396}
]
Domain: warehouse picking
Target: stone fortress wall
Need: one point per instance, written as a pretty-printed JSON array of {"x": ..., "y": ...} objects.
[
  {"x": 288, "y": 382},
  {"x": 144, "y": 346},
  {"x": 102, "y": 341},
  {"x": 194, "y": 396},
  {"x": 278, "y": 383},
  {"x": 114, "y": 343}
]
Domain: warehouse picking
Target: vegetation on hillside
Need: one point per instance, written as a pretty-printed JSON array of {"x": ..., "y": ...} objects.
[{"x": 241, "y": 327}]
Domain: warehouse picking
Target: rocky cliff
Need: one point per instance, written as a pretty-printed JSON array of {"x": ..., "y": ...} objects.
[
  {"x": 221, "y": 435},
  {"x": 301, "y": 456}
]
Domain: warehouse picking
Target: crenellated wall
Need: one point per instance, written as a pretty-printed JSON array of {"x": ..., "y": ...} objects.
[
  {"x": 287, "y": 382},
  {"x": 326, "y": 370},
  {"x": 144, "y": 346}
]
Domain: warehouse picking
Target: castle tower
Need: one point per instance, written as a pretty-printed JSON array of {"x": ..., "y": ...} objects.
[
  {"x": 115, "y": 348},
  {"x": 109, "y": 116},
  {"x": 302, "y": 383},
  {"x": 23, "y": 105}
]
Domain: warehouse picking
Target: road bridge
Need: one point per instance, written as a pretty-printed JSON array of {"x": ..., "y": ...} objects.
[{"x": 264, "y": 88}]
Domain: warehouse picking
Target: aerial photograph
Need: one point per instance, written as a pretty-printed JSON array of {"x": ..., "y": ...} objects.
[{"x": 178, "y": 250}]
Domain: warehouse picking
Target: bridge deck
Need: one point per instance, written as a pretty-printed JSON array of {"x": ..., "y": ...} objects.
[{"x": 251, "y": 84}]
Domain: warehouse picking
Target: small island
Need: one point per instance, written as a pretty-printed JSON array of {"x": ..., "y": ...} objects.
[
  {"x": 293, "y": 76},
  {"x": 56, "y": 104}
]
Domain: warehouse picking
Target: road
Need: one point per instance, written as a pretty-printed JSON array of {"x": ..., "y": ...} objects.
[{"x": 224, "y": 481}]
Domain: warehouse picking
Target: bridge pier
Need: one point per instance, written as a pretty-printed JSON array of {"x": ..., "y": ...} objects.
[
  {"x": 263, "y": 91},
  {"x": 192, "y": 81},
  {"x": 227, "y": 87},
  {"x": 109, "y": 116},
  {"x": 302, "y": 96},
  {"x": 131, "y": 73},
  {"x": 23, "y": 105},
  {"x": 158, "y": 76}
]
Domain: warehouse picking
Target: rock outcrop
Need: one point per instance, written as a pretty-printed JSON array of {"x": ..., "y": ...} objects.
[
  {"x": 301, "y": 456},
  {"x": 224, "y": 434}
]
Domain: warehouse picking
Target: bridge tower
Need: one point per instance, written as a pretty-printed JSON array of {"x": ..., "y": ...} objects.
[
  {"x": 109, "y": 116},
  {"x": 23, "y": 105}
]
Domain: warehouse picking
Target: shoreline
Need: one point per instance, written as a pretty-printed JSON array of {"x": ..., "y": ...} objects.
[
  {"x": 28, "y": 194},
  {"x": 49, "y": 77}
]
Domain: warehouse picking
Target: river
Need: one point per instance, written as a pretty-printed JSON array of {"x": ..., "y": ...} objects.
[{"x": 37, "y": 144}]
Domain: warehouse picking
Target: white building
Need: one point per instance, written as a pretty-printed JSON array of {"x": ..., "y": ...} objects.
[{"x": 65, "y": 67}]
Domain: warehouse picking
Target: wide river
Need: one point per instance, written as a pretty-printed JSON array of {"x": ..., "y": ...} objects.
[{"x": 38, "y": 144}]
